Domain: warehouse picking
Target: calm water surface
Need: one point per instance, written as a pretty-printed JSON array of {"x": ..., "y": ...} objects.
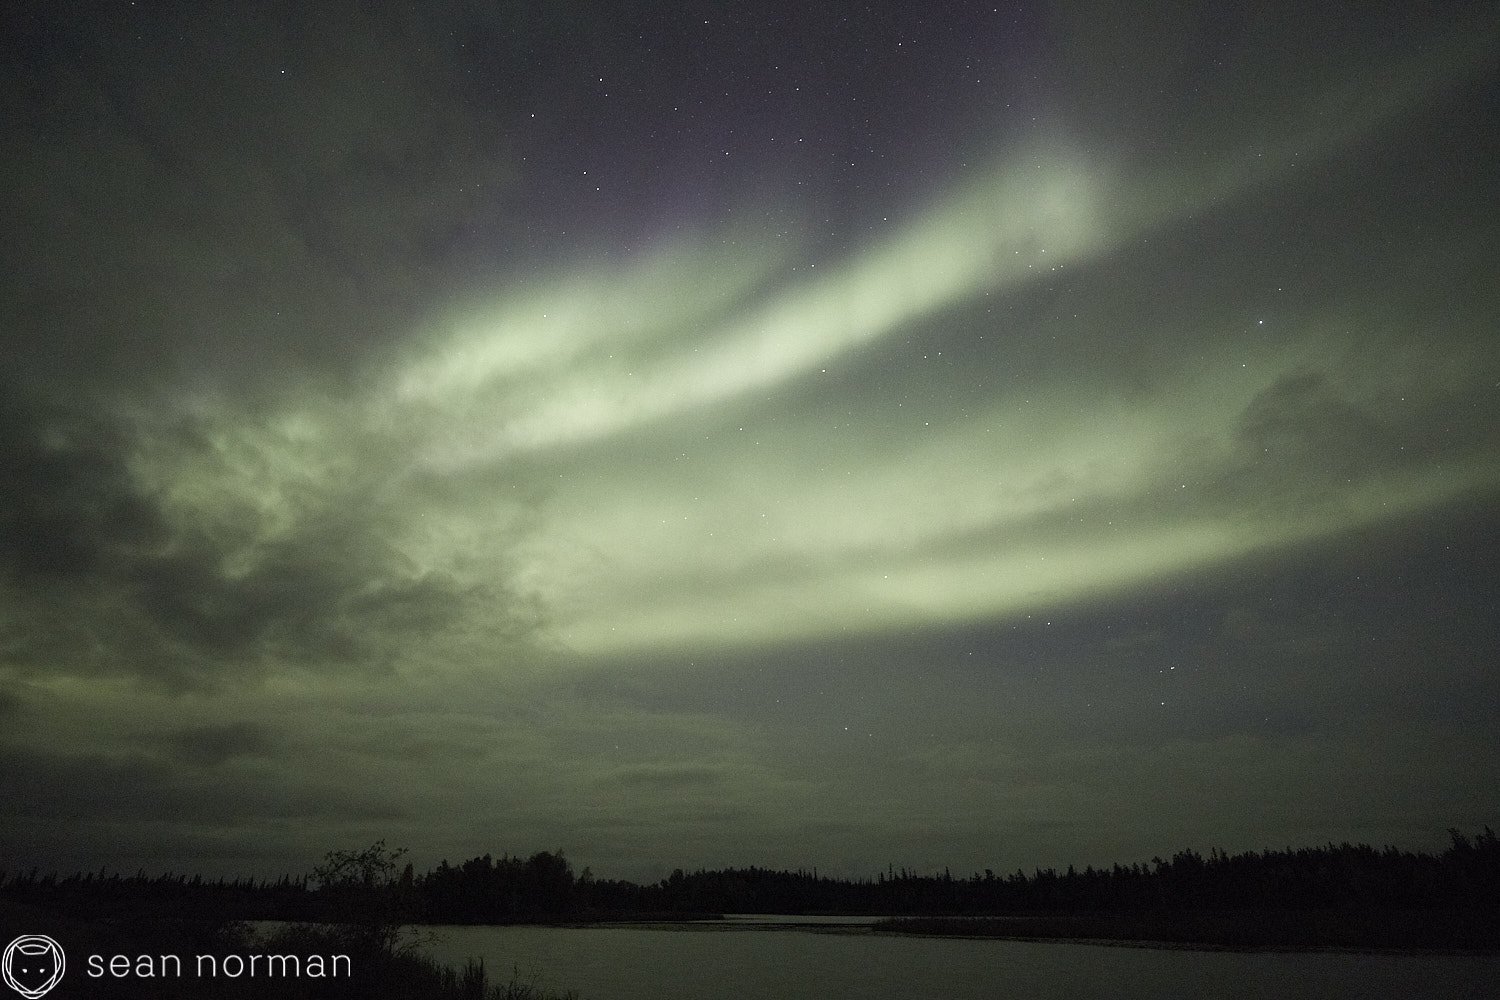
[{"x": 783, "y": 958}]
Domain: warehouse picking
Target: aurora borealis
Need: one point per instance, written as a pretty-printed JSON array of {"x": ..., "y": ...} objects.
[{"x": 981, "y": 436}]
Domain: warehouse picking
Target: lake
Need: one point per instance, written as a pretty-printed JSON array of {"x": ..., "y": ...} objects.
[{"x": 801, "y": 958}]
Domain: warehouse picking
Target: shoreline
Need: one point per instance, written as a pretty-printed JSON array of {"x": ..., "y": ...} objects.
[
  {"x": 961, "y": 929},
  {"x": 1393, "y": 933}
]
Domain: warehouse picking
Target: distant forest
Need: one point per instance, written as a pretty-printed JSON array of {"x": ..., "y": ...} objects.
[{"x": 350, "y": 886}]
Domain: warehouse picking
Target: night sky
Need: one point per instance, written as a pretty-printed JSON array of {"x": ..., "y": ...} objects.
[{"x": 729, "y": 434}]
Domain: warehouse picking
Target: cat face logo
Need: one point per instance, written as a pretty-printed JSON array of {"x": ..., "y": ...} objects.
[{"x": 33, "y": 964}]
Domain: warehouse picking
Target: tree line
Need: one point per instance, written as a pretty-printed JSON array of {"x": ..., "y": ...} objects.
[{"x": 375, "y": 885}]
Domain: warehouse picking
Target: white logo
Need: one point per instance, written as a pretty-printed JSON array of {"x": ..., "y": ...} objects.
[{"x": 33, "y": 964}]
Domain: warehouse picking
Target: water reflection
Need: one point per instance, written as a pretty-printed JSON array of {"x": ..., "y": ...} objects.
[{"x": 818, "y": 958}]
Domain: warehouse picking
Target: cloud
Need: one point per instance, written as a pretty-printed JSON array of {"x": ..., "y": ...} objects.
[
  {"x": 1302, "y": 441},
  {"x": 215, "y": 744},
  {"x": 185, "y": 558},
  {"x": 130, "y": 790},
  {"x": 666, "y": 776},
  {"x": 347, "y": 169},
  {"x": 327, "y": 594},
  {"x": 72, "y": 509}
]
